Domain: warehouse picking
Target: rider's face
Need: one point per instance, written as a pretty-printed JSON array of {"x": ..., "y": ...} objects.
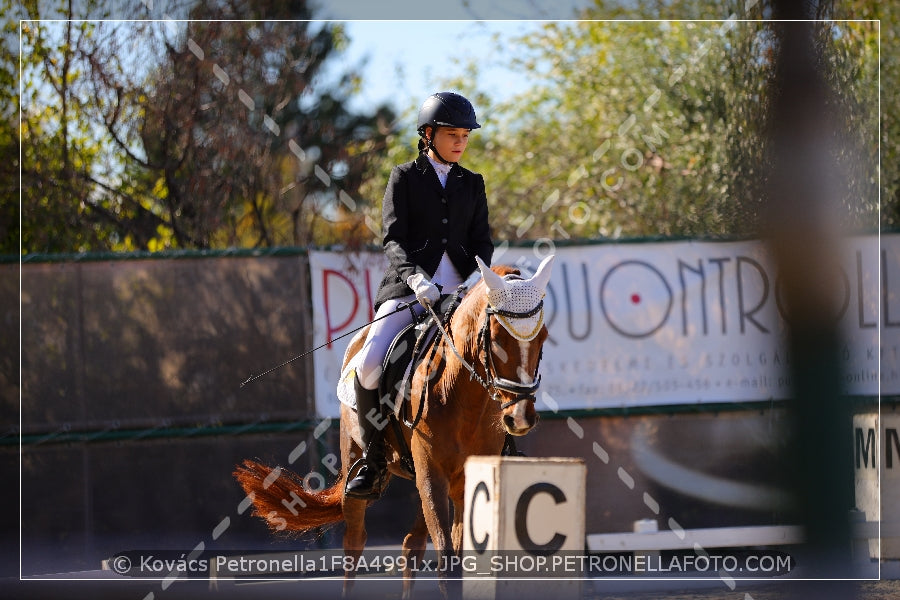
[{"x": 450, "y": 143}]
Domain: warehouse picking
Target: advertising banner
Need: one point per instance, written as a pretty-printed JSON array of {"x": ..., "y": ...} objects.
[{"x": 656, "y": 323}]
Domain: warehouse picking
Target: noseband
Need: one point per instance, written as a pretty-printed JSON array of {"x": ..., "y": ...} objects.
[{"x": 495, "y": 384}]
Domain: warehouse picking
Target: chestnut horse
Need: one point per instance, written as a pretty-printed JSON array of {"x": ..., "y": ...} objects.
[{"x": 483, "y": 388}]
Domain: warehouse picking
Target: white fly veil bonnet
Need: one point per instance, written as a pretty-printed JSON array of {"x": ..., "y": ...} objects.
[{"x": 511, "y": 295}]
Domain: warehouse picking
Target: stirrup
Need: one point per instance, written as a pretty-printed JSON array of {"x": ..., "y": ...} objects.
[{"x": 378, "y": 486}]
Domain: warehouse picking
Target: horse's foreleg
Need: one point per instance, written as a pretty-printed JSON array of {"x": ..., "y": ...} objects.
[
  {"x": 433, "y": 490},
  {"x": 354, "y": 537},
  {"x": 413, "y": 551},
  {"x": 456, "y": 533}
]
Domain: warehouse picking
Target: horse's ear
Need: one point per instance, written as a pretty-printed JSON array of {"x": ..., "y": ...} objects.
[
  {"x": 491, "y": 279},
  {"x": 542, "y": 276}
]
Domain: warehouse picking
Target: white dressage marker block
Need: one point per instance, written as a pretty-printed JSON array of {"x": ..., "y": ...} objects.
[
  {"x": 523, "y": 526},
  {"x": 876, "y": 451}
]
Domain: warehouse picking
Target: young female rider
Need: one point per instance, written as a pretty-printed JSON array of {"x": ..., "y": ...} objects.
[{"x": 435, "y": 222}]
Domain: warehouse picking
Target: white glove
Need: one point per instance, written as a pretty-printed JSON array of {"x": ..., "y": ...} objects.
[{"x": 426, "y": 292}]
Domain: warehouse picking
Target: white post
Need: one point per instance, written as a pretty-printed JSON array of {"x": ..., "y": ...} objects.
[
  {"x": 646, "y": 526},
  {"x": 523, "y": 532},
  {"x": 865, "y": 471},
  {"x": 876, "y": 463},
  {"x": 890, "y": 485}
]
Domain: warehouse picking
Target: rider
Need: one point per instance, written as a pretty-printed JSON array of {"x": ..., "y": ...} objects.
[{"x": 435, "y": 222}]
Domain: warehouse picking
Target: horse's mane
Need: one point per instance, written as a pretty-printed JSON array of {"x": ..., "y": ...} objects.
[{"x": 464, "y": 327}]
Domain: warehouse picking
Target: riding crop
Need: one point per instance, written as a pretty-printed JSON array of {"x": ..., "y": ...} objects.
[{"x": 401, "y": 307}]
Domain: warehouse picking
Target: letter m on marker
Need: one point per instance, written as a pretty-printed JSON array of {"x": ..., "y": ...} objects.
[
  {"x": 865, "y": 449},
  {"x": 893, "y": 441}
]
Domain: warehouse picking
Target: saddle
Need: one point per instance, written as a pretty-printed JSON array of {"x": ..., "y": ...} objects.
[{"x": 407, "y": 351}]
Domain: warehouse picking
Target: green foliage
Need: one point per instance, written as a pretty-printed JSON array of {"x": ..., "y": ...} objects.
[
  {"x": 208, "y": 133},
  {"x": 220, "y": 132},
  {"x": 648, "y": 128},
  {"x": 886, "y": 34},
  {"x": 57, "y": 146},
  {"x": 9, "y": 133},
  {"x": 631, "y": 136},
  {"x": 637, "y": 128}
]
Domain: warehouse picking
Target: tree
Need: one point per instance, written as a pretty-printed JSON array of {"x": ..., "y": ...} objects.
[
  {"x": 657, "y": 127},
  {"x": 887, "y": 32},
  {"x": 71, "y": 63},
  {"x": 9, "y": 137},
  {"x": 247, "y": 151},
  {"x": 218, "y": 132},
  {"x": 636, "y": 132},
  {"x": 57, "y": 147}
]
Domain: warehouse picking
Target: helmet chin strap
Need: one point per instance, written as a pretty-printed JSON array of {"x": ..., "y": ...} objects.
[{"x": 438, "y": 155}]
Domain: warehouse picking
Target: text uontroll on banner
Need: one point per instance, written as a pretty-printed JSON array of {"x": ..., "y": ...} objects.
[{"x": 640, "y": 324}]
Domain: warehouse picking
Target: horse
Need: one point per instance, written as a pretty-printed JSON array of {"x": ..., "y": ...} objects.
[{"x": 480, "y": 387}]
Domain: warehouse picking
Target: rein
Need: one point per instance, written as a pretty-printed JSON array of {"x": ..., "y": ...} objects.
[{"x": 494, "y": 384}]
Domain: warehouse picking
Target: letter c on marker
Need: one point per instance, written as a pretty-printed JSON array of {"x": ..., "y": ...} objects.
[
  {"x": 522, "y": 534},
  {"x": 479, "y": 546}
]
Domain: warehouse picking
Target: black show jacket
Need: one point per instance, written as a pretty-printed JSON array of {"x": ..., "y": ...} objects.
[{"x": 421, "y": 220}]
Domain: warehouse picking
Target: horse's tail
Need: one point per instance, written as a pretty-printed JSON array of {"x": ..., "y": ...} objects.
[{"x": 281, "y": 498}]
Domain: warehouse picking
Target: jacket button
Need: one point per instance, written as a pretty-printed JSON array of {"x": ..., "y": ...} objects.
[
  {"x": 443, "y": 240},
  {"x": 444, "y": 221},
  {"x": 444, "y": 200}
]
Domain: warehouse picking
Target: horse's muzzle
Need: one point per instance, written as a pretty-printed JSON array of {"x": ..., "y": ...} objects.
[{"x": 521, "y": 417}]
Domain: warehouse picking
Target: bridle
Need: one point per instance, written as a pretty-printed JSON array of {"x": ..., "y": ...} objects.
[
  {"x": 520, "y": 391},
  {"x": 492, "y": 382}
]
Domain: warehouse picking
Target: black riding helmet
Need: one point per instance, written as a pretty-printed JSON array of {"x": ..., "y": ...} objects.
[
  {"x": 447, "y": 109},
  {"x": 444, "y": 109}
]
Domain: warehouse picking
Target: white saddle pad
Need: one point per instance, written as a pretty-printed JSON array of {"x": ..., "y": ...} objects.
[{"x": 345, "y": 392}]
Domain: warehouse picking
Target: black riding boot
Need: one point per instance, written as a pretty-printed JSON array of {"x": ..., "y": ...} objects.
[{"x": 369, "y": 479}]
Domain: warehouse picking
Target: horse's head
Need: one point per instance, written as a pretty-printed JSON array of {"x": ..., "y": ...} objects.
[{"x": 511, "y": 339}]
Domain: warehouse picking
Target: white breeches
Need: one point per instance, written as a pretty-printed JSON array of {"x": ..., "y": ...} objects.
[{"x": 379, "y": 338}]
